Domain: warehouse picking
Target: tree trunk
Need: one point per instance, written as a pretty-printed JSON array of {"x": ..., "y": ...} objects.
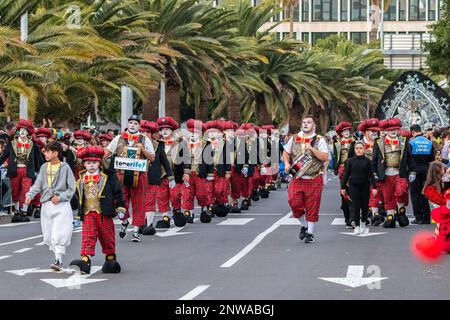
[
  {"x": 173, "y": 105},
  {"x": 375, "y": 15},
  {"x": 295, "y": 117},
  {"x": 201, "y": 111},
  {"x": 291, "y": 21},
  {"x": 150, "y": 106},
  {"x": 324, "y": 121},
  {"x": 263, "y": 116},
  {"x": 234, "y": 108}
]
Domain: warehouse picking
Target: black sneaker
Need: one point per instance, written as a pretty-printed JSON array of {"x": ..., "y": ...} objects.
[
  {"x": 302, "y": 234},
  {"x": 57, "y": 265},
  {"x": 244, "y": 205},
  {"x": 309, "y": 238},
  {"x": 123, "y": 229},
  {"x": 136, "y": 237}
]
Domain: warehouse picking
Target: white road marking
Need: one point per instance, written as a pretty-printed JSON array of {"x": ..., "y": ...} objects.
[
  {"x": 23, "y": 250},
  {"x": 40, "y": 243},
  {"x": 4, "y": 257},
  {"x": 172, "y": 232},
  {"x": 254, "y": 214},
  {"x": 286, "y": 220},
  {"x": 6, "y": 225},
  {"x": 362, "y": 235},
  {"x": 235, "y": 221},
  {"x": 354, "y": 278},
  {"x": 75, "y": 280},
  {"x": 338, "y": 222},
  {"x": 23, "y": 272},
  {"x": 194, "y": 292},
  {"x": 20, "y": 240}
]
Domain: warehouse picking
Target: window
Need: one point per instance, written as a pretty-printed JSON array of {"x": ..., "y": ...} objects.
[
  {"x": 358, "y": 37},
  {"x": 276, "y": 17},
  {"x": 359, "y": 10},
  {"x": 305, "y": 10},
  {"x": 287, "y": 11},
  {"x": 431, "y": 10},
  {"x": 286, "y": 35},
  {"x": 417, "y": 10},
  {"x": 402, "y": 10},
  {"x": 390, "y": 13},
  {"x": 344, "y": 10},
  {"x": 305, "y": 37},
  {"x": 324, "y": 10},
  {"x": 320, "y": 35}
]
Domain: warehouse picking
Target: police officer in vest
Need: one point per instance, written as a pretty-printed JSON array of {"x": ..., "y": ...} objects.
[{"x": 423, "y": 154}]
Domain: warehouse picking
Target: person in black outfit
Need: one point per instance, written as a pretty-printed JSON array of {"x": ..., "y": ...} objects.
[
  {"x": 423, "y": 152},
  {"x": 358, "y": 176}
]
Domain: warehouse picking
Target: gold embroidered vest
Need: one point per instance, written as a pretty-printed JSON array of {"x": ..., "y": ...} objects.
[
  {"x": 91, "y": 198},
  {"x": 298, "y": 149},
  {"x": 392, "y": 154}
]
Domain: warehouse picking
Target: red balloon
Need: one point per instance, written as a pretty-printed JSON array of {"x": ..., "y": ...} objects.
[{"x": 426, "y": 247}]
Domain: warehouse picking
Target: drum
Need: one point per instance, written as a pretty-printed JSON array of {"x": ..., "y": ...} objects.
[{"x": 300, "y": 165}]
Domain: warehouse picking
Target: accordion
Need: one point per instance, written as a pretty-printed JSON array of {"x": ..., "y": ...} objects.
[{"x": 300, "y": 166}]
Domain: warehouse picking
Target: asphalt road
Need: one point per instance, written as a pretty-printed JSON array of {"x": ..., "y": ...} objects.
[{"x": 254, "y": 255}]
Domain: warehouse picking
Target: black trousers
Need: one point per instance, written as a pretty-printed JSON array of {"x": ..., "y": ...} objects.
[
  {"x": 345, "y": 207},
  {"x": 420, "y": 204},
  {"x": 359, "y": 193}
]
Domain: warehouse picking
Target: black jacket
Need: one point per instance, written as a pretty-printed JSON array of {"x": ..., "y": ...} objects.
[
  {"x": 242, "y": 153},
  {"x": 111, "y": 196},
  {"x": 34, "y": 162},
  {"x": 206, "y": 166},
  {"x": 155, "y": 169},
  {"x": 183, "y": 164},
  {"x": 407, "y": 164},
  {"x": 224, "y": 165}
]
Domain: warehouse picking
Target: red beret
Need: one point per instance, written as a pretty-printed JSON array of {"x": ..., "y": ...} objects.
[
  {"x": 240, "y": 132},
  {"x": 105, "y": 137},
  {"x": 149, "y": 126},
  {"x": 405, "y": 133},
  {"x": 194, "y": 125},
  {"x": 82, "y": 134},
  {"x": 392, "y": 124},
  {"x": 214, "y": 125},
  {"x": 343, "y": 126},
  {"x": 43, "y": 132},
  {"x": 369, "y": 124},
  {"x": 167, "y": 122},
  {"x": 39, "y": 143},
  {"x": 269, "y": 128},
  {"x": 91, "y": 153},
  {"x": 26, "y": 124}
]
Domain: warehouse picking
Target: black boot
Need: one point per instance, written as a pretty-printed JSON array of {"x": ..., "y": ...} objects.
[
  {"x": 84, "y": 264},
  {"x": 111, "y": 265},
  {"x": 179, "y": 218},
  {"x": 390, "y": 221},
  {"x": 402, "y": 219},
  {"x": 148, "y": 230},
  {"x": 164, "y": 223},
  {"x": 222, "y": 210},
  {"x": 213, "y": 210},
  {"x": 264, "y": 193},
  {"x": 37, "y": 213},
  {"x": 235, "y": 209},
  {"x": 205, "y": 216},
  {"x": 189, "y": 216},
  {"x": 20, "y": 217},
  {"x": 244, "y": 205},
  {"x": 255, "y": 196},
  {"x": 377, "y": 220},
  {"x": 29, "y": 211}
]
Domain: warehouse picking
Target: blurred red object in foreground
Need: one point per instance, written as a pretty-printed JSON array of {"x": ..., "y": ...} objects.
[{"x": 426, "y": 247}]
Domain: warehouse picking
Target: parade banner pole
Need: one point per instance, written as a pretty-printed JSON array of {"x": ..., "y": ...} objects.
[
  {"x": 23, "y": 104},
  {"x": 126, "y": 105},
  {"x": 162, "y": 100}
]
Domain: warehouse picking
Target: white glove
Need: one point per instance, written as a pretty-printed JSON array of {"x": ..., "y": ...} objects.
[
  {"x": 411, "y": 178},
  {"x": 172, "y": 184},
  {"x": 244, "y": 171},
  {"x": 210, "y": 178},
  {"x": 264, "y": 170}
]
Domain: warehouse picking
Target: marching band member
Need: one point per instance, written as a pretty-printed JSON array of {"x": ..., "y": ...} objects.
[
  {"x": 100, "y": 198},
  {"x": 82, "y": 138},
  {"x": 132, "y": 144},
  {"x": 394, "y": 166},
  {"x": 158, "y": 170},
  {"x": 201, "y": 172},
  {"x": 171, "y": 191},
  {"x": 24, "y": 162},
  {"x": 305, "y": 190},
  {"x": 341, "y": 150},
  {"x": 105, "y": 140},
  {"x": 265, "y": 150}
]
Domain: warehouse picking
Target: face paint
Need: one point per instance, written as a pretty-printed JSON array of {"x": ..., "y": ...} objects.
[
  {"x": 105, "y": 143},
  {"x": 133, "y": 126},
  {"x": 392, "y": 133},
  {"x": 346, "y": 134},
  {"x": 166, "y": 132},
  {"x": 194, "y": 137},
  {"x": 80, "y": 142},
  {"x": 91, "y": 166},
  {"x": 229, "y": 134},
  {"x": 308, "y": 125},
  {"x": 23, "y": 133}
]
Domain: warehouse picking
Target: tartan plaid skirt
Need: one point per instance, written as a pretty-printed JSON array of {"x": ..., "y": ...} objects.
[
  {"x": 395, "y": 189},
  {"x": 304, "y": 197},
  {"x": 98, "y": 227}
]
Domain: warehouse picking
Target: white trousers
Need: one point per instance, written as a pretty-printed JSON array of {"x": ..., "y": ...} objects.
[{"x": 56, "y": 223}]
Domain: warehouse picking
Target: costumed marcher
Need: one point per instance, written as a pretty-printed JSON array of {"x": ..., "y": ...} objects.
[
  {"x": 265, "y": 155},
  {"x": 235, "y": 186},
  {"x": 105, "y": 140},
  {"x": 158, "y": 170},
  {"x": 221, "y": 154},
  {"x": 253, "y": 146},
  {"x": 132, "y": 144},
  {"x": 307, "y": 151},
  {"x": 393, "y": 165},
  {"x": 430, "y": 247},
  {"x": 56, "y": 184},
  {"x": 24, "y": 161},
  {"x": 358, "y": 178},
  {"x": 341, "y": 149},
  {"x": 171, "y": 192},
  {"x": 100, "y": 199},
  {"x": 82, "y": 139},
  {"x": 423, "y": 154},
  {"x": 201, "y": 172}
]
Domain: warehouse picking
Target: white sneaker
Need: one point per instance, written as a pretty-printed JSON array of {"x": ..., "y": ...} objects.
[
  {"x": 357, "y": 230},
  {"x": 366, "y": 230},
  {"x": 3, "y": 214}
]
